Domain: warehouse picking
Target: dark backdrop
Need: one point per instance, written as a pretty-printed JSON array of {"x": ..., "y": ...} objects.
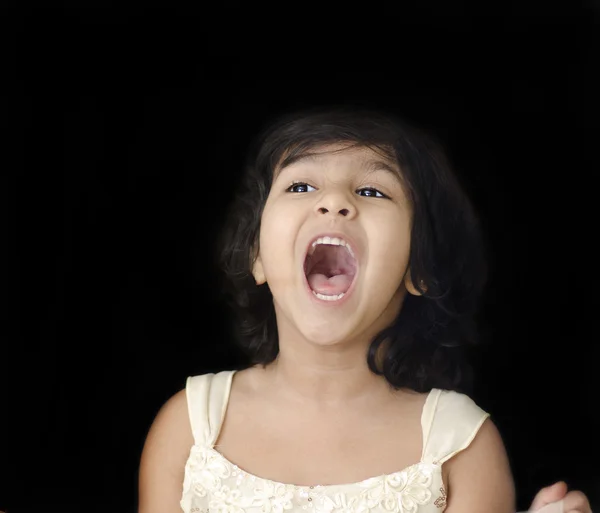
[{"x": 129, "y": 135}]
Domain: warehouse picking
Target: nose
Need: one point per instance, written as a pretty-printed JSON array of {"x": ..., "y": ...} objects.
[{"x": 336, "y": 205}]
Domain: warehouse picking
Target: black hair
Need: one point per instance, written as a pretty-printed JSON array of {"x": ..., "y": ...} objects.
[{"x": 424, "y": 348}]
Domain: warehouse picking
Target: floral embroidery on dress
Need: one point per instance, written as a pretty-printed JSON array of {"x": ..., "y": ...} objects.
[
  {"x": 402, "y": 491},
  {"x": 440, "y": 502},
  {"x": 219, "y": 486},
  {"x": 208, "y": 470},
  {"x": 274, "y": 497}
]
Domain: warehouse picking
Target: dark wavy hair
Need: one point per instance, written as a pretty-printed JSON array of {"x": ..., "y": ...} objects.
[{"x": 424, "y": 348}]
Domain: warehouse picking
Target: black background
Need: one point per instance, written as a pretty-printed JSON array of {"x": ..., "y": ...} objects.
[{"x": 127, "y": 133}]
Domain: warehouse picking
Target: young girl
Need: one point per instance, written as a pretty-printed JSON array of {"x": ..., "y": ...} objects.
[{"x": 356, "y": 266}]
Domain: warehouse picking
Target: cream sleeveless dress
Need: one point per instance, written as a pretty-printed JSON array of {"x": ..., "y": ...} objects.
[{"x": 213, "y": 484}]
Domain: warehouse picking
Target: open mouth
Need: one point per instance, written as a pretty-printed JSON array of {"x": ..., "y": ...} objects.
[{"x": 330, "y": 267}]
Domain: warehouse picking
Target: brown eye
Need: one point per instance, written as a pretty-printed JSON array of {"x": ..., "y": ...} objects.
[
  {"x": 299, "y": 187},
  {"x": 370, "y": 192}
]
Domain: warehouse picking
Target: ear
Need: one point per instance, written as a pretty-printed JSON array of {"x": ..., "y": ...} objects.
[
  {"x": 258, "y": 271},
  {"x": 408, "y": 283}
]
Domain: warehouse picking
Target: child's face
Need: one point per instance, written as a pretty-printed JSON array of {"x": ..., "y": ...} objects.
[{"x": 334, "y": 201}]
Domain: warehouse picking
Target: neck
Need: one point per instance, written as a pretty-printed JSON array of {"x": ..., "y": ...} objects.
[
  {"x": 325, "y": 376},
  {"x": 329, "y": 373}
]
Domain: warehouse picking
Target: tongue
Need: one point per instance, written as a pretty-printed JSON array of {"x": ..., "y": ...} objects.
[
  {"x": 330, "y": 270},
  {"x": 329, "y": 286}
]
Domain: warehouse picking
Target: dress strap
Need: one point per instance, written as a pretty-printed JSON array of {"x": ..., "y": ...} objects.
[
  {"x": 450, "y": 422},
  {"x": 207, "y": 398}
]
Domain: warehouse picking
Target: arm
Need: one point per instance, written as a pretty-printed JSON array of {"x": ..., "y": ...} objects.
[
  {"x": 164, "y": 456},
  {"x": 479, "y": 478}
]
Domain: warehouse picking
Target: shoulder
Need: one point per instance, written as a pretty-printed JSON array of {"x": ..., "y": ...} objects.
[
  {"x": 456, "y": 405},
  {"x": 165, "y": 453},
  {"x": 479, "y": 475},
  {"x": 173, "y": 418},
  {"x": 170, "y": 434},
  {"x": 450, "y": 421},
  {"x": 486, "y": 447}
]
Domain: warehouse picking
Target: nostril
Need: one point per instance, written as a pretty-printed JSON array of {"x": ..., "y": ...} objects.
[{"x": 342, "y": 211}]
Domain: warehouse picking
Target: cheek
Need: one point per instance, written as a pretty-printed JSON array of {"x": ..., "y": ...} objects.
[
  {"x": 277, "y": 237},
  {"x": 390, "y": 246}
]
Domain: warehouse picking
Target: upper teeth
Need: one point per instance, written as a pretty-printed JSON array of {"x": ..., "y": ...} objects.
[{"x": 333, "y": 241}]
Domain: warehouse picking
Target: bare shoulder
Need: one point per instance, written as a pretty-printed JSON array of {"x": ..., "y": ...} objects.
[
  {"x": 165, "y": 453},
  {"x": 250, "y": 385},
  {"x": 480, "y": 478},
  {"x": 247, "y": 396}
]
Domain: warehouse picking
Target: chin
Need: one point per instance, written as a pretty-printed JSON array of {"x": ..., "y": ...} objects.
[{"x": 327, "y": 335}]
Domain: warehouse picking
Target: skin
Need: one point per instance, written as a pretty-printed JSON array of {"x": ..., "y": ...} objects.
[
  {"x": 321, "y": 372},
  {"x": 574, "y": 501},
  {"x": 322, "y": 349}
]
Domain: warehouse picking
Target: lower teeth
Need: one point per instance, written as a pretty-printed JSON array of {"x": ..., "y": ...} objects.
[{"x": 328, "y": 298}]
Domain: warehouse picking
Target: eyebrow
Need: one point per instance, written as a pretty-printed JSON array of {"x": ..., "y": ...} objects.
[
  {"x": 382, "y": 165},
  {"x": 371, "y": 165}
]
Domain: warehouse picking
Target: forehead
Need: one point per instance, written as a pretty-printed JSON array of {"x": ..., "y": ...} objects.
[{"x": 359, "y": 157}]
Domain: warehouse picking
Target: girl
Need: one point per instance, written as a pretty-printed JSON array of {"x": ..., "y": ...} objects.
[{"x": 355, "y": 262}]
